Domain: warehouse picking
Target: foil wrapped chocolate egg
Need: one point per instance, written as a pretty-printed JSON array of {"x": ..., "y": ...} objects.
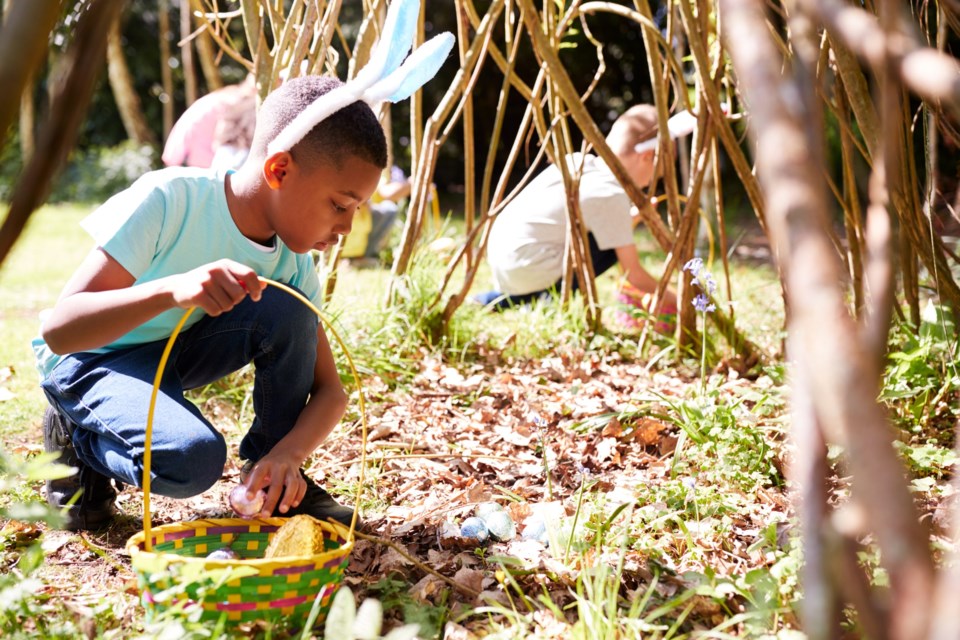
[
  {"x": 500, "y": 525},
  {"x": 474, "y": 528},
  {"x": 225, "y": 553},
  {"x": 244, "y": 506},
  {"x": 485, "y": 509}
]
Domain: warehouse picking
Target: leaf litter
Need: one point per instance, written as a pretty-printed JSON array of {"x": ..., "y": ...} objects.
[{"x": 537, "y": 437}]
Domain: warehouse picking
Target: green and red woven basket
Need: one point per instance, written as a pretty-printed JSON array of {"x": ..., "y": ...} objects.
[{"x": 251, "y": 588}]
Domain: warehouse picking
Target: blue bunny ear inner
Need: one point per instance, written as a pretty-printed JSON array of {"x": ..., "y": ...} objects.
[
  {"x": 399, "y": 36},
  {"x": 395, "y": 41},
  {"x": 420, "y": 67}
]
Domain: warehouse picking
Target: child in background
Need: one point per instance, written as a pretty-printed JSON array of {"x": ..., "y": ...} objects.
[
  {"x": 528, "y": 238},
  {"x": 191, "y": 140},
  {"x": 233, "y": 134},
  {"x": 375, "y": 220},
  {"x": 185, "y": 237}
]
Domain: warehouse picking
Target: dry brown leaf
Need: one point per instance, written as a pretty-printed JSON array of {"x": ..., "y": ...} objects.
[
  {"x": 613, "y": 429},
  {"x": 428, "y": 587},
  {"x": 607, "y": 450},
  {"x": 648, "y": 431},
  {"x": 469, "y": 578}
]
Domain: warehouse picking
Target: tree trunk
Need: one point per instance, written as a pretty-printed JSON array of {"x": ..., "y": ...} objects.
[
  {"x": 28, "y": 122},
  {"x": 83, "y": 63},
  {"x": 23, "y": 45},
  {"x": 186, "y": 53},
  {"x": 206, "y": 55},
  {"x": 838, "y": 361},
  {"x": 124, "y": 93},
  {"x": 166, "y": 98}
]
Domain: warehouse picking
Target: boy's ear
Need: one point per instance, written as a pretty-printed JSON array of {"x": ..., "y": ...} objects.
[{"x": 276, "y": 168}]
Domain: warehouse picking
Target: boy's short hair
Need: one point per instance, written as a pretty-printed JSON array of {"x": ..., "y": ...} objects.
[
  {"x": 637, "y": 124},
  {"x": 352, "y": 130}
]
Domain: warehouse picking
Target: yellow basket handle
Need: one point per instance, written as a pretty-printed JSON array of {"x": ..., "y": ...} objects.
[{"x": 147, "y": 457}]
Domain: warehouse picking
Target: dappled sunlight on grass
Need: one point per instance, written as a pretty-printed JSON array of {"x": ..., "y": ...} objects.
[{"x": 31, "y": 280}]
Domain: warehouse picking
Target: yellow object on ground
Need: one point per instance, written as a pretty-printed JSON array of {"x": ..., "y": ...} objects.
[{"x": 355, "y": 244}]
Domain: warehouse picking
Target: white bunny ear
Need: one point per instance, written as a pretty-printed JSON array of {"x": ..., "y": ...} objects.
[
  {"x": 422, "y": 65},
  {"x": 319, "y": 110}
]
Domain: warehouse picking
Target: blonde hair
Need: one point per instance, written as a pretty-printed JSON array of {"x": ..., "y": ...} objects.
[{"x": 637, "y": 124}]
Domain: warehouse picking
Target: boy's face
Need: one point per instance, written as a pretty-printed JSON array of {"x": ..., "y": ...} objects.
[{"x": 314, "y": 206}]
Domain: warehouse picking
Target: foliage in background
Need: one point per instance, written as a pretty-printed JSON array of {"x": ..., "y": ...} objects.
[
  {"x": 921, "y": 380},
  {"x": 100, "y": 172},
  {"x": 92, "y": 175}
]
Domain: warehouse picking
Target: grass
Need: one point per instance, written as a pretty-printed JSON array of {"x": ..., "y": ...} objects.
[
  {"x": 698, "y": 540},
  {"x": 30, "y": 281}
]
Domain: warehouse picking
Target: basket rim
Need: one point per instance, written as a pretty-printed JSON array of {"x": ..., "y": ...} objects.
[{"x": 135, "y": 542}]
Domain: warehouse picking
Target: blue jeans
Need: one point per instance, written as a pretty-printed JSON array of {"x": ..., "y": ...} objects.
[{"x": 107, "y": 395}]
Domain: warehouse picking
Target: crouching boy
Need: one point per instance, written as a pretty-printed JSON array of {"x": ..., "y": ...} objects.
[{"x": 185, "y": 237}]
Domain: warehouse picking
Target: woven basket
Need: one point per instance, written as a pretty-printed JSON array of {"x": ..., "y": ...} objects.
[{"x": 177, "y": 572}]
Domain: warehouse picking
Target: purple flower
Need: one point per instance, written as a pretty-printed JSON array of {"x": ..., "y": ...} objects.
[
  {"x": 702, "y": 304},
  {"x": 703, "y": 279},
  {"x": 694, "y": 266},
  {"x": 710, "y": 283}
]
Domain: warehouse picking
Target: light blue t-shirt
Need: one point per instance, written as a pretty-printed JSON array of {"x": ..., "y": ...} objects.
[{"x": 169, "y": 222}]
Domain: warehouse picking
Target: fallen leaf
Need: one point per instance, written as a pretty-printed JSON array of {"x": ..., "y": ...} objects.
[
  {"x": 469, "y": 578},
  {"x": 426, "y": 588},
  {"x": 647, "y": 431},
  {"x": 613, "y": 429}
]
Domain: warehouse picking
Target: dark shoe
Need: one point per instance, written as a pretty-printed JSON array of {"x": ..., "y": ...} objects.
[
  {"x": 316, "y": 502},
  {"x": 319, "y": 504},
  {"x": 94, "y": 509}
]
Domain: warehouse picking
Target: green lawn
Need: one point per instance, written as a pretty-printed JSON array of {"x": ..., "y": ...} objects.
[{"x": 52, "y": 246}]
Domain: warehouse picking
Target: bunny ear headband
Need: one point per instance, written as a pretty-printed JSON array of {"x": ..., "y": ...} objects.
[{"x": 383, "y": 78}]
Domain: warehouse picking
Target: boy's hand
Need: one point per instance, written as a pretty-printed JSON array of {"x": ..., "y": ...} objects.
[
  {"x": 216, "y": 287},
  {"x": 277, "y": 475}
]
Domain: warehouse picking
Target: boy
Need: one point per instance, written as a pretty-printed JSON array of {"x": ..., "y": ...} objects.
[
  {"x": 527, "y": 241},
  {"x": 185, "y": 237}
]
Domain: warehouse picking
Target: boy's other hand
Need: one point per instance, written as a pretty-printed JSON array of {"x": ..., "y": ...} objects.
[
  {"x": 278, "y": 476},
  {"x": 216, "y": 287}
]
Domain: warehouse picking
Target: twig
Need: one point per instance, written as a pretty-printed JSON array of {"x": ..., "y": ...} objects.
[
  {"x": 345, "y": 463},
  {"x": 100, "y": 551},
  {"x": 423, "y": 567}
]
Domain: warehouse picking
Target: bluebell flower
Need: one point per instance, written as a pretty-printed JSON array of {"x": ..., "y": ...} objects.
[
  {"x": 710, "y": 283},
  {"x": 694, "y": 266},
  {"x": 702, "y": 303},
  {"x": 703, "y": 279}
]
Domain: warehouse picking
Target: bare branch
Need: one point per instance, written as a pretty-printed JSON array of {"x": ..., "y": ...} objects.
[
  {"x": 931, "y": 74},
  {"x": 823, "y": 335},
  {"x": 23, "y": 45}
]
